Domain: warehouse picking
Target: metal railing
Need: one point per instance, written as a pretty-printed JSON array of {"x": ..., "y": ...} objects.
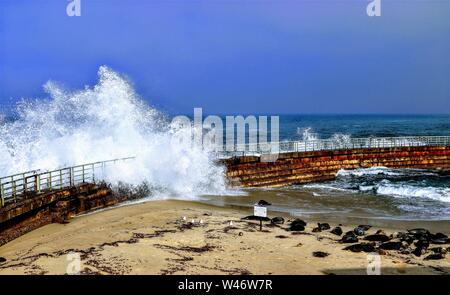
[
  {"x": 18, "y": 186},
  {"x": 334, "y": 144}
]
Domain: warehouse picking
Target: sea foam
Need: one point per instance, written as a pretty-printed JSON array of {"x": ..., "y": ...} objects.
[{"x": 107, "y": 121}]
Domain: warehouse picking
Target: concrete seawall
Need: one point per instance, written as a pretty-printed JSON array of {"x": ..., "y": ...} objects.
[
  {"x": 56, "y": 206},
  {"x": 306, "y": 167}
]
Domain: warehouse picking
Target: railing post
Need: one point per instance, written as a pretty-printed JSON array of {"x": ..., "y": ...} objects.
[
  {"x": 71, "y": 179},
  {"x": 36, "y": 183},
  {"x": 82, "y": 173},
  {"x": 2, "y": 193},
  {"x": 25, "y": 184},
  {"x": 51, "y": 180},
  {"x": 13, "y": 183}
]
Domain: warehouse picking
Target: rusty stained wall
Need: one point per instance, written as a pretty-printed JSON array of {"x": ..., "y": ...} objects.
[
  {"x": 35, "y": 211},
  {"x": 305, "y": 167}
]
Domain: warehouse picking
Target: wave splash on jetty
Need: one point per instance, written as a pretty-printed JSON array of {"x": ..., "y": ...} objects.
[{"x": 107, "y": 121}]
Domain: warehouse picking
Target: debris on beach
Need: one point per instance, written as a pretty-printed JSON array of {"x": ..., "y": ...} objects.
[
  {"x": 2, "y": 259},
  {"x": 320, "y": 254}
]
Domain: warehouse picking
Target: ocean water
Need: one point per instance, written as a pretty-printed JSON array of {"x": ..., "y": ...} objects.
[
  {"x": 110, "y": 120},
  {"x": 378, "y": 192}
]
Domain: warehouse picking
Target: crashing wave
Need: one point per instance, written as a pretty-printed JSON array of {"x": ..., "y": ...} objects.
[{"x": 107, "y": 121}]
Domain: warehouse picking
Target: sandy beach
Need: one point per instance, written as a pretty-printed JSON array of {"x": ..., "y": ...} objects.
[{"x": 153, "y": 238}]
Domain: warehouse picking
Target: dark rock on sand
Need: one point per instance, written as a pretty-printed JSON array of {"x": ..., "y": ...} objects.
[
  {"x": 298, "y": 221},
  {"x": 349, "y": 237},
  {"x": 391, "y": 246},
  {"x": 422, "y": 243},
  {"x": 263, "y": 203},
  {"x": 419, "y": 233},
  {"x": 439, "y": 250},
  {"x": 377, "y": 238},
  {"x": 323, "y": 226},
  {"x": 365, "y": 227},
  {"x": 337, "y": 231},
  {"x": 297, "y": 225},
  {"x": 277, "y": 220},
  {"x": 363, "y": 247},
  {"x": 2, "y": 259},
  {"x": 320, "y": 254},
  {"x": 405, "y": 238},
  {"x": 439, "y": 238},
  {"x": 419, "y": 251},
  {"x": 435, "y": 256},
  {"x": 440, "y": 241},
  {"x": 359, "y": 231}
]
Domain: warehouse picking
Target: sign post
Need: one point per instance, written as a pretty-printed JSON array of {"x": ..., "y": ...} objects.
[{"x": 261, "y": 212}]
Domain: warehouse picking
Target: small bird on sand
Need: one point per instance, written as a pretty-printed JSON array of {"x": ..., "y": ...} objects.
[
  {"x": 231, "y": 223},
  {"x": 201, "y": 221},
  {"x": 184, "y": 218}
]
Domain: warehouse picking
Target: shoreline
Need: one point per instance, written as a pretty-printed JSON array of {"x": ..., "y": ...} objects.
[
  {"x": 152, "y": 238},
  {"x": 382, "y": 222}
]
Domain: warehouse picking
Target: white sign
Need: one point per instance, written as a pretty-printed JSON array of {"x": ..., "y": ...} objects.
[{"x": 260, "y": 211}]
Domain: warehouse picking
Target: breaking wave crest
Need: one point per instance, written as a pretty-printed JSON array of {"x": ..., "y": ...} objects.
[
  {"x": 413, "y": 191},
  {"x": 103, "y": 122},
  {"x": 406, "y": 184}
]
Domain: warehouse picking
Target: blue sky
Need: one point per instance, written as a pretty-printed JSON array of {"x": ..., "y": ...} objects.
[{"x": 230, "y": 56}]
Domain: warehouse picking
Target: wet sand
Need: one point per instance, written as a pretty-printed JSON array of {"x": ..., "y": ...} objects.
[{"x": 152, "y": 238}]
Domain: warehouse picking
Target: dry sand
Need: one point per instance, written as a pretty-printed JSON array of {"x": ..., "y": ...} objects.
[{"x": 152, "y": 238}]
